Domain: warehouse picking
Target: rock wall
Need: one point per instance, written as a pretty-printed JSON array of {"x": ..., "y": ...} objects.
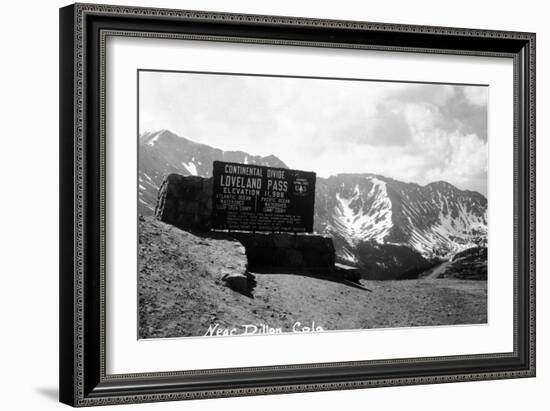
[
  {"x": 287, "y": 251},
  {"x": 185, "y": 202}
]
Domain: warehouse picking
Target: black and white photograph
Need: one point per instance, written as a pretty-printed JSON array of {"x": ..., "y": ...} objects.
[
  {"x": 279, "y": 204},
  {"x": 289, "y": 200}
]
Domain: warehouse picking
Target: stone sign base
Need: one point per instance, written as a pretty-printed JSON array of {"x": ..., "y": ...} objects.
[{"x": 287, "y": 251}]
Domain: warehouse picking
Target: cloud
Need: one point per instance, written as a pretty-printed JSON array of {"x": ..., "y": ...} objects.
[
  {"x": 387, "y": 127},
  {"x": 477, "y": 96},
  {"x": 452, "y": 107},
  {"x": 466, "y": 111},
  {"x": 458, "y": 159},
  {"x": 411, "y": 132}
]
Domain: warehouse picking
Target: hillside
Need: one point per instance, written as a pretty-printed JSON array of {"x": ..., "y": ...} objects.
[{"x": 181, "y": 292}]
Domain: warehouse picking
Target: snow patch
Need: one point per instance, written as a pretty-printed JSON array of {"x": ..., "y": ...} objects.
[
  {"x": 348, "y": 256},
  {"x": 153, "y": 140},
  {"x": 361, "y": 219},
  {"x": 146, "y": 205},
  {"x": 448, "y": 234},
  {"x": 191, "y": 168}
]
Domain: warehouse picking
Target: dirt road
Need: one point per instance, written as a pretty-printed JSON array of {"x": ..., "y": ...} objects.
[{"x": 436, "y": 271}]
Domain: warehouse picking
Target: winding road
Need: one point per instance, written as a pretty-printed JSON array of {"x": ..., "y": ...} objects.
[{"x": 436, "y": 271}]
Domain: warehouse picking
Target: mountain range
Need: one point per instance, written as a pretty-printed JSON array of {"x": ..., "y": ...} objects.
[{"x": 389, "y": 228}]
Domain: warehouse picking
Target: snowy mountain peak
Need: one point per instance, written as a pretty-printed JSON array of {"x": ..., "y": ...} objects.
[
  {"x": 151, "y": 137},
  {"x": 360, "y": 216}
]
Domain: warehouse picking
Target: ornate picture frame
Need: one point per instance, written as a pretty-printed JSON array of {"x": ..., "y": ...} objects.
[{"x": 84, "y": 31}]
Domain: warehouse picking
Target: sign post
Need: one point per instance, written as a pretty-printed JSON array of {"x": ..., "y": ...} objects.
[{"x": 249, "y": 197}]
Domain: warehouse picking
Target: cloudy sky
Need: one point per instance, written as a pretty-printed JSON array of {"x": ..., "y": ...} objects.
[{"x": 412, "y": 132}]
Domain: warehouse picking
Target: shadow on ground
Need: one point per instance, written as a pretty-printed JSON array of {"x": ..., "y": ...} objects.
[{"x": 318, "y": 274}]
